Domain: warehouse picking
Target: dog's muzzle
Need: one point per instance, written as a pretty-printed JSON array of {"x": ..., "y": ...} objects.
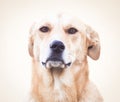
[{"x": 55, "y": 60}]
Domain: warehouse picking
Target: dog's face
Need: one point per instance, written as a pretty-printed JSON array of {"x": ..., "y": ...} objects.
[{"x": 60, "y": 41}]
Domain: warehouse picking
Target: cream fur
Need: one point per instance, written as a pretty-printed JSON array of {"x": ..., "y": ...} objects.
[{"x": 70, "y": 84}]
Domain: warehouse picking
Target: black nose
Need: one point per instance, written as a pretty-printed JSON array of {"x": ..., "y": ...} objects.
[{"x": 57, "y": 46}]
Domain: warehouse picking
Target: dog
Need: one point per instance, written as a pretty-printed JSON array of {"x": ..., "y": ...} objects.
[{"x": 59, "y": 46}]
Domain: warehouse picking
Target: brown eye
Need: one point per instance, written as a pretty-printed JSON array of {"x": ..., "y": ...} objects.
[
  {"x": 44, "y": 29},
  {"x": 72, "y": 30}
]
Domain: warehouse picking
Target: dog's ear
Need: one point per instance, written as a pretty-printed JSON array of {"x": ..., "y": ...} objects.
[
  {"x": 30, "y": 46},
  {"x": 93, "y": 43},
  {"x": 31, "y": 41}
]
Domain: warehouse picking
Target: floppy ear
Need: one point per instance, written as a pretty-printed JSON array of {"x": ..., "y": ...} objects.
[
  {"x": 31, "y": 41},
  {"x": 30, "y": 46},
  {"x": 93, "y": 43}
]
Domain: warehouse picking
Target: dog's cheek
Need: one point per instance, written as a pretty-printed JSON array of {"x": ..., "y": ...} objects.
[
  {"x": 36, "y": 48},
  {"x": 80, "y": 50},
  {"x": 72, "y": 49},
  {"x": 36, "y": 52}
]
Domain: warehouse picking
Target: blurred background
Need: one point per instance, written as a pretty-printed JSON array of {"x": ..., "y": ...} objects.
[{"x": 16, "y": 17}]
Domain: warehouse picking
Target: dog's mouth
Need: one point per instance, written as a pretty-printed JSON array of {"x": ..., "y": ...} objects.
[{"x": 55, "y": 63}]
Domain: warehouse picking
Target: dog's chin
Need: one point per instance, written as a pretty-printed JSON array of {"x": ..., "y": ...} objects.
[{"x": 55, "y": 64}]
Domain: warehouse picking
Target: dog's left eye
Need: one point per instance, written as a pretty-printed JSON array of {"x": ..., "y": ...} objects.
[
  {"x": 44, "y": 29},
  {"x": 72, "y": 30}
]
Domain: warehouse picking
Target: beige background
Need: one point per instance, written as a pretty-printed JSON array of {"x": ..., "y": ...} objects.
[{"x": 16, "y": 16}]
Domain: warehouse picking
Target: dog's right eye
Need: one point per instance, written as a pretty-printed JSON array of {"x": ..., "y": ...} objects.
[{"x": 44, "y": 29}]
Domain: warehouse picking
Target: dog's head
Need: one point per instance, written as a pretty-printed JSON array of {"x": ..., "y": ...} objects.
[{"x": 60, "y": 41}]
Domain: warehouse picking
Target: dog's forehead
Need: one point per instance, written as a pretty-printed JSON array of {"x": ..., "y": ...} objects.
[{"x": 59, "y": 19}]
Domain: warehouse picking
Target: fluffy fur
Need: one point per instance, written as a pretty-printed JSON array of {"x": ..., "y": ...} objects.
[{"x": 69, "y": 84}]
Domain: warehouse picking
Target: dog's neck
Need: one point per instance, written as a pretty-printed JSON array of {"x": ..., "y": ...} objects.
[{"x": 64, "y": 85}]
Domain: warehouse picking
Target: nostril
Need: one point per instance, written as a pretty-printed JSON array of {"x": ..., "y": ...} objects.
[
  {"x": 57, "y": 46},
  {"x": 53, "y": 46},
  {"x": 62, "y": 47}
]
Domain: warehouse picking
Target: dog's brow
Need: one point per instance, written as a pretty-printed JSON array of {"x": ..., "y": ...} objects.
[
  {"x": 46, "y": 24},
  {"x": 69, "y": 26}
]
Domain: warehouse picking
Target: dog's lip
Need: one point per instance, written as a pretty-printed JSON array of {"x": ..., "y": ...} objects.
[{"x": 59, "y": 63}]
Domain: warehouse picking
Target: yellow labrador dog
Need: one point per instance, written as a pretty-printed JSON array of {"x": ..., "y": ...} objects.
[{"x": 59, "y": 47}]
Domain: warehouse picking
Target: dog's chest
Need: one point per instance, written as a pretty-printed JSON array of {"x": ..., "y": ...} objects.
[{"x": 58, "y": 90}]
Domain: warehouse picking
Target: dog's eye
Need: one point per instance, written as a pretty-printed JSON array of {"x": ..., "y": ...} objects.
[
  {"x": 44, "y": 29},
  {"x": 72, "y": 30}
]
